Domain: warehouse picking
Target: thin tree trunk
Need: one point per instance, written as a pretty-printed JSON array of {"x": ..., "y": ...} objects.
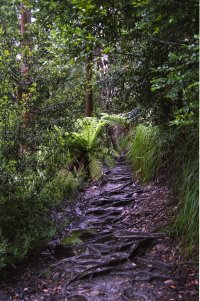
[
  {"x": 25, "y": 20},
  {"x": 22, "y": 92},
  {"x": 88, "y": 88}
]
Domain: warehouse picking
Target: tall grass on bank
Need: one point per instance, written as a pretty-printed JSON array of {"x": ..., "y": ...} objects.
[
  {"x": 145, "y": 152},
  {"x": 149, "y": 149},
  {"x": 187, "y": 186}
]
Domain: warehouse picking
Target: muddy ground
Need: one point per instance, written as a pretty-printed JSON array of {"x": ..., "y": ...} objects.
[{"x": 116, "y": 248}]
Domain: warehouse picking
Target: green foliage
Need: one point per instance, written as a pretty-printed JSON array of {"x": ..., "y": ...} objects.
[
  {"x": 146, "y": 66},
  {"x": 34, "y": 181},
  {"x": 153, "y": 152},
  {"x": 31, "y": 155},
  {"x": 27, "y": 196},
  {"x": 124, "y": 142},
  {"x": 89, "y": 143},
  {"x": 90, "y": 128},
  {"x": 144, "y": 152},
  {"x": 178, "y": 81},
  {"x": 113, "y": 119},
  {"x": 187, "y": 223},
  {"x": 24, "y": 224},
  {"x": 95, "y": 168},
  {"x": 185, "y": 167},
  {"x": 31, "y": 183},
  {"x": 61, "y": 187}
]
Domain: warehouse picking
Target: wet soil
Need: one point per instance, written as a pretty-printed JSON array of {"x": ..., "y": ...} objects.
[{"x": 116, "y": 248}]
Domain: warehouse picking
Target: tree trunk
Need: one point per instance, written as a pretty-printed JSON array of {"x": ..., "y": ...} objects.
[
  {"x": 22, "y": 94},
  {"x": 88, "y": 88},
  {"x": 25, "y": 20}
]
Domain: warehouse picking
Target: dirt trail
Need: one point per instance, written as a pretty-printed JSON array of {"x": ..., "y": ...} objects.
[{"x": 115, "y": 250}]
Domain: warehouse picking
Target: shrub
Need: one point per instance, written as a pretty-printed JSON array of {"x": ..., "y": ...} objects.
[
  {"x": 62, "y": 185},
  {"x": 30, "y": 185},
  {"x": 25, "y": 210}
]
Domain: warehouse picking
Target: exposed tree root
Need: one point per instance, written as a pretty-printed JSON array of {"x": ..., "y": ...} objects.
[{"x": 108, "y": 244}]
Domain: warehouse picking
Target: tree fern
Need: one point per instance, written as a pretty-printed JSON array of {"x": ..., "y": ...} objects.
[
  {"x": 90, "y": 127},
  {"x": 84, "y": 142}
]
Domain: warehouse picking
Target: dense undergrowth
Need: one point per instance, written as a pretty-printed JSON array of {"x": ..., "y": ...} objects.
[
  {"x": 34, "y": 182},
  {"x": 172, "y": 156}
]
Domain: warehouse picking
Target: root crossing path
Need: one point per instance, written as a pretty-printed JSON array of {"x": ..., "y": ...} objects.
[{"x": 115, "y": 250}]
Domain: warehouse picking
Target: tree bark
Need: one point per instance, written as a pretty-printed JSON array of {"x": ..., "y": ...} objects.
[
  {"x": 25, "y": 20},
  {"x": 22, "y": 94},
  {"x": 88, "y": 87}
]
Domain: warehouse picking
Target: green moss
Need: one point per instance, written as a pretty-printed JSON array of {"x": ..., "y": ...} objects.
[
  {"x": 71, "y": 239},
  {"x": 78, "y": 236}
]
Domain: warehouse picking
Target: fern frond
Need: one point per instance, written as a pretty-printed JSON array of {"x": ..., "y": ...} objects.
[
  {"x": 91, "y": 127},
  {"x": 95, "y": 168},
  {"x": 113, "y": 119},
  {"x": 109, "y": 161}
]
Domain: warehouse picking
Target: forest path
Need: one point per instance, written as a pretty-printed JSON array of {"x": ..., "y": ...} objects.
[{"x": 113, "y": 251}]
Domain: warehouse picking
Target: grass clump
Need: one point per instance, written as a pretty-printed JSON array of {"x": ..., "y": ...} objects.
[
  {"x": 187, "y": 187},
  {"x": 153, "y": 151},
  {"x": 144, "y": 152}
]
